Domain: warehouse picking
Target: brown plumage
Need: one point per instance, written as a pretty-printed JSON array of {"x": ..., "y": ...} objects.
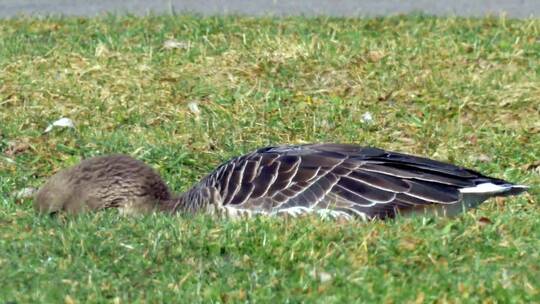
[
  {"x": 336, "y": 180},
  {"x": 115, "y": 181}
]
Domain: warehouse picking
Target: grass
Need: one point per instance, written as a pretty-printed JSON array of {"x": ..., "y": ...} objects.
[{"x": 462, "y": 90}]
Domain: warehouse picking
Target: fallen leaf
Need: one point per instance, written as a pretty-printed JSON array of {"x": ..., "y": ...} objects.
[
  {"x": 16, "y": 147},
  {"x": 531, "y": 166},
  {"x": 240, "y": 295},
  {"x": 386, "y": 96},
  {"x": 375, "y": 56},
  {"x": 484, "y": 221},
  {"x": 535, "y": 129},
  {"x": 500, "y": 200}
]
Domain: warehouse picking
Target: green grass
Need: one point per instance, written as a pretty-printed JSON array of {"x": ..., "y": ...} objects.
[{"x": 462, "y": 90}]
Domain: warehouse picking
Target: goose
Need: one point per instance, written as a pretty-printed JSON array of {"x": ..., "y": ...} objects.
[{"x": 333, "y": 180}]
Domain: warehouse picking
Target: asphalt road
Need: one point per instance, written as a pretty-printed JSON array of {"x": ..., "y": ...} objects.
[{"x": 350, "y": 8}]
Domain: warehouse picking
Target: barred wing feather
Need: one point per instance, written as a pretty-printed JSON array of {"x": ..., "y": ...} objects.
[{"x": 347, "y": 180}]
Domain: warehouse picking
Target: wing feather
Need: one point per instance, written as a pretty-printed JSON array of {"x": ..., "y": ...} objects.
[
  {"x": 369, "y": 193},
  {"x": 405, "y": 171},
  {"x": 356, "y": 181},
  {"x": 433, "y": 192},
  {"x": 266, "y": 178},
  {"x": 380, "y": 181},
  {"x": 235, "y": 181}
]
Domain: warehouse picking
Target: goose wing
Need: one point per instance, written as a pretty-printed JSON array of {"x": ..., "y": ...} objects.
[{"x": 350, "y": 180}]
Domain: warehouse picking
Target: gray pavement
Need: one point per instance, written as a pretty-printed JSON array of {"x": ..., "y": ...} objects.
[{"x": 349, "y": 8}]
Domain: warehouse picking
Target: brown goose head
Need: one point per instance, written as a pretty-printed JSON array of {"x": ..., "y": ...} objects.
[{"x": 114, "y": 181}]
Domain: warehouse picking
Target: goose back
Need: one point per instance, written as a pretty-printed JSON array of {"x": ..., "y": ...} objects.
[{"x": 344, "y": 180}]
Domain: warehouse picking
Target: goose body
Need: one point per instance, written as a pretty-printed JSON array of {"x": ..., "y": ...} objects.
[{"x": 335, "y": 180}]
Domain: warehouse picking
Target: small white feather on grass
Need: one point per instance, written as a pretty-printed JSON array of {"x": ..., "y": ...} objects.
[{"x": 60, "y": 123}]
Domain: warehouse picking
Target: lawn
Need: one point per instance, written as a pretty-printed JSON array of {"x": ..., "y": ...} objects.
[{"x": 185, "y": 93}]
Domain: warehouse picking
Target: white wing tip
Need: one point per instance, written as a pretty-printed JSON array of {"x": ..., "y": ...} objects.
[{"x": 490, "y": 188}]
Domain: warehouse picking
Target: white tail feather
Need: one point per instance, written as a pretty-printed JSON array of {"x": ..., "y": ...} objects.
[
  {"x": 490, "y": 188},
  {"x": 474, "y": 196}
]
